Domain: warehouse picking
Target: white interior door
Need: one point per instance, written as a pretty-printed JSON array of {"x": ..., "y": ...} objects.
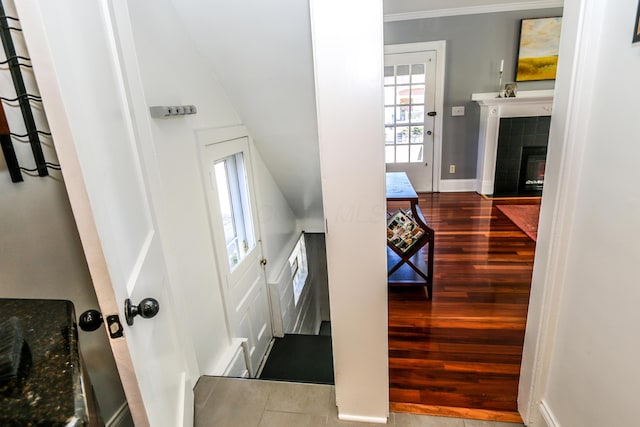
[
  {"x": 79, "y": 65},
  {"x": 234, "y": 223},
  {"x": 409, "y": 98}
]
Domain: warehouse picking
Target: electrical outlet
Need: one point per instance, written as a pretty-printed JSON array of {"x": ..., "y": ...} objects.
[
  {"x": 452, "y": 168},
  {"x": 457, "y": 111}
]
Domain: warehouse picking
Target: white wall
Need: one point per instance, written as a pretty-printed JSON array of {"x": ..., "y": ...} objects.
[
  {"x": 40, "y": 252},
  {"x": 173, "y": 74},
  {"x": 348, "y": 56},
  {"x": 587, "y": 255},
  {"x": 277, "y": 220},
  {"x": 261, "y": 52},
  {"x": 187, "y": 79}
]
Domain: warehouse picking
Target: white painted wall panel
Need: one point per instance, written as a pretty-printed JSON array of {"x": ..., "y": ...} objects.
[
  {"x": 348, "y": 68},
  {"x": 581, "y": 346},
  {"x": 594, "y": 378}
]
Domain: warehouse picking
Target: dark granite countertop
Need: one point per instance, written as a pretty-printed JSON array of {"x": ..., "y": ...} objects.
[{"x": 51, "y": 392}]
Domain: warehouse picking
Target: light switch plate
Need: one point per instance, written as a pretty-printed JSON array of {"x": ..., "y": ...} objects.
[{"x": 457, "y": 111}]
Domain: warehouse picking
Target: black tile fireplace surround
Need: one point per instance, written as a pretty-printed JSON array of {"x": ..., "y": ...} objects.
[{"x": 515, "y": 134}]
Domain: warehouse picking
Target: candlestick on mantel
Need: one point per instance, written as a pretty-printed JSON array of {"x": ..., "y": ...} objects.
[{"x": 500, "y": 79}]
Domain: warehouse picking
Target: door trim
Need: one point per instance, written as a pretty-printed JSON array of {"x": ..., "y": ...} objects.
[
  {"x": 440, "y": 47},
  {"x": 210, "y": 136},
  {"x": 572, "y": 100}
]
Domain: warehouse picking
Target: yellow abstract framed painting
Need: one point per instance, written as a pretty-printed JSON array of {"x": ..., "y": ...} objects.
[
  {"x": 636, "y": 29},
  {"x": 538, "y": 49}
]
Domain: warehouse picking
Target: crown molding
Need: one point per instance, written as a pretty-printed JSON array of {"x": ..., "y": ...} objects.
[{"x": 474, "y": 10}]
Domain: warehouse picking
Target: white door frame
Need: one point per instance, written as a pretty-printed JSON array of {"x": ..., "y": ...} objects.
[
  {"x": 440, "y": 48},
  {"x": 572, "y": 100}
]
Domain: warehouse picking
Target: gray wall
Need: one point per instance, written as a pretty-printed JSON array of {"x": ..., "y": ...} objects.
[{"x": 475, "y": 46}]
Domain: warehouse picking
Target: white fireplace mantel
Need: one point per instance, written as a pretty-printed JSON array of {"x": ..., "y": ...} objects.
[{"x": 527, "y": 104}]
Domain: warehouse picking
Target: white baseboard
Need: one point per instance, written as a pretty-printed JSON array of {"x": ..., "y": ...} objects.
[
  {"x": 361, "y": 419},
  {"x": 457, "y": 185},
  {"x": 547, "y": 415},
  {"x": 121, "y": 418}
]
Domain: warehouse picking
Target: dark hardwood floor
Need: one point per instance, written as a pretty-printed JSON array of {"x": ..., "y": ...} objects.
[{"x": 459, "y": 354}]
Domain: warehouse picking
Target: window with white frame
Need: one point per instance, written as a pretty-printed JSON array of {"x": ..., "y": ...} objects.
[
  {"x": 299, "y": 271},
  {"x": 233, "y": 195},
  {"x": 404, "y": 89}
]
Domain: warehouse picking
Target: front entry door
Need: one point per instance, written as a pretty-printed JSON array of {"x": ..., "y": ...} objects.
[
  {"x": 409, "y": 98},
  {"x": 233, "y": 212}
]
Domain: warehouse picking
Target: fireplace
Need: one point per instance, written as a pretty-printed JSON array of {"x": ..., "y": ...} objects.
[
  {"x": 530, "y": 113},
  {"x": 532, "y": 167},
  {"x": 521, "y": 156}
]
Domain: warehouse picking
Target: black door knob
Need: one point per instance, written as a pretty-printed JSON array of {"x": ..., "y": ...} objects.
[
  {"x": 90, "y": 320},
  {"x": 147, "y": 308}
]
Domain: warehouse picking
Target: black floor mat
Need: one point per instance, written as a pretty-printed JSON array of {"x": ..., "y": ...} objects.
[{"x": 300, "y": 358}]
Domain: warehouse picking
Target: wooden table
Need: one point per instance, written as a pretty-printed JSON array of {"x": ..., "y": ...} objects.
[{"x": 408, "y": 267}]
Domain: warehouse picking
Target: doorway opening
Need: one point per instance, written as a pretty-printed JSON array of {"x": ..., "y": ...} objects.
[
  {"x": 302, "y": 350},
  {"x": 458, "y": 353}
]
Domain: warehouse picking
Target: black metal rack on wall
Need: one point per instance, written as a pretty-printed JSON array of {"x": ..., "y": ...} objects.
[{"x": 24, "y": 99}]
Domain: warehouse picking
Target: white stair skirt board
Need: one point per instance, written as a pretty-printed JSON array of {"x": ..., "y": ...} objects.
[
  {"x": 457, "y": 185},
  {"x": 547, "y": 415}
]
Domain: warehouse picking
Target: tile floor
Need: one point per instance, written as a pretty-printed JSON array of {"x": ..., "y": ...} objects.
[{"x": 231, "y": 402}]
